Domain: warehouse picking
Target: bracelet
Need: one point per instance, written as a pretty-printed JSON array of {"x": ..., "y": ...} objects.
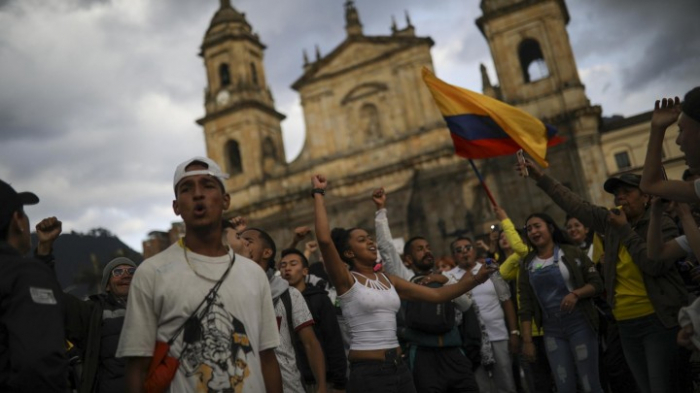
[
  {"x": 318, "y": 191},
  {"x": 575, "y": 294}
]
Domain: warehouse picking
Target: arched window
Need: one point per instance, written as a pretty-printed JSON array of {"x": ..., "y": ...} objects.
[
  {"x": 532, "y": 61},
  {"x": 369, "y": 121},
  {"x": 269, "y": 149},
  {"x": 254, "y": 73},
  {"x": 224, "y": 75},
  {"x": 233, "y": 155}
]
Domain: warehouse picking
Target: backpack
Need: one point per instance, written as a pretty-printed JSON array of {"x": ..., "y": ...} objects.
[
  {"x": 433, "y": 318},
  {"x": 299, "y": 352}
]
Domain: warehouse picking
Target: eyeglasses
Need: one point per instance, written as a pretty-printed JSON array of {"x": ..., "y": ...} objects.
[
  {"x": 466, "y": 248},
  {"x": 120, "y": 271}
]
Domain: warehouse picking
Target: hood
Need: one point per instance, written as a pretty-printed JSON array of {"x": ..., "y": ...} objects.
[{"x": 277, "y": 284}]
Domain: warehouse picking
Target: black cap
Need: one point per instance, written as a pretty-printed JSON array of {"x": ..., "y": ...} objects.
[
  {"x": 626, "y": 179},
  {"x": 11, "y": 200}
]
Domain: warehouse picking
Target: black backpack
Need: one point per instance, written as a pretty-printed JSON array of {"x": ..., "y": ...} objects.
[{"x": 432, "y": 318}]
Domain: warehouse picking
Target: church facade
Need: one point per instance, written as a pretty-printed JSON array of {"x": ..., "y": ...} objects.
[{"x": 371, "y": 122}]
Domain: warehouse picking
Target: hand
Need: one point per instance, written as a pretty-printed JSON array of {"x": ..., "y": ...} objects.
[
  {"x": 514, "y": 344},
  {"x": 568, "y": 303},
  {"x": 435, "y": 277},
  {"x": 319, "y": 181},
  {"x": 484, "y": 272},
  {"x": 480, "y": 244},
  {"x": 666, "y": 112},
  {"x": 500, "y": 213},
  {"x": 658, "y": 205},
  {"x": 47, "y": 231},
  {"x": 237, "y": 244},
  {"x": 681, "y": 209},
  {"x": 529, "y": 352},
  {"x": 379, "y": 198},
  {"x": 239, "y": 224},
  {"x": 311, "y": 247},
  {"x": 534, "y": 169},
  {"x": 617, "y": 218},
  {"x": 684, "y": 336},
  {"x": 300, "y": 233}
]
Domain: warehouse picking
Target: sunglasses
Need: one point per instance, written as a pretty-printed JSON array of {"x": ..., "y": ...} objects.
[
  {"x": 120, "y": 271},
  {"x": 460, "y": 249}
]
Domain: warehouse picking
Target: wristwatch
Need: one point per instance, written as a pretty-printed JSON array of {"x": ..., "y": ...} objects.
[{"x": 516, "y": 332}]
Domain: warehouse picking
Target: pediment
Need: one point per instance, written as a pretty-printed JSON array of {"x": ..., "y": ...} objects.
[{"x": 354, "y": 54}]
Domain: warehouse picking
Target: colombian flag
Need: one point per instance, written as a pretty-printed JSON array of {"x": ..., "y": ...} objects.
[{"x": 483, "y": 127}]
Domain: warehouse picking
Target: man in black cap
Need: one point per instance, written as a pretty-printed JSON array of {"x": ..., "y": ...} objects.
[
  {"x": 667, "y": 112},
  {"x": 645, "y": 294},
  {"x": 32, "y": 352}
]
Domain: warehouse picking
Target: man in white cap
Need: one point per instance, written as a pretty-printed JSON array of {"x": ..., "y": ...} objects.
[
  {"x": 32, "y": 355},
  {"x": 211, "y": 306}
]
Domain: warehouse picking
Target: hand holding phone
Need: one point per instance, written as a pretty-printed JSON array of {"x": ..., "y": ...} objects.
[{"x": 521, "y": 162}]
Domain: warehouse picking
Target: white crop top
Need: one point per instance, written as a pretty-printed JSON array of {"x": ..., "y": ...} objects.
[{"x": 370, "y": 314}]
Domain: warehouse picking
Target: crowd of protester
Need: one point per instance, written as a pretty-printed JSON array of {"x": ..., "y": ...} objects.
[{"x": 601, "y": 302}]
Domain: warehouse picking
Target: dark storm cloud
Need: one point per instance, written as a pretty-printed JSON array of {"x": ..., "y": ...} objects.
[
  {"x": 660, "y": 40},
  {"x": 98, "y": 98}
]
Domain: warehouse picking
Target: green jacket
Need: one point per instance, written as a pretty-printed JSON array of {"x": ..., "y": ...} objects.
[
  {"x": 581, "y": 271},
  {"x": 661, "y": 278}
]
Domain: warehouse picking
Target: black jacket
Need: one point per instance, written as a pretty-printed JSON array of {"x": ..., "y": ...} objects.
[
  {"x": 32, "y": 340},
  {"x": 94, "y": 326},
  {"x": 328, "y": 333}
]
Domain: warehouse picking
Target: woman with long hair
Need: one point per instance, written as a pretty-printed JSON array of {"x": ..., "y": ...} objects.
[
  {"x": 556, "y": 283},
  {"x": 370, "y": 299}
]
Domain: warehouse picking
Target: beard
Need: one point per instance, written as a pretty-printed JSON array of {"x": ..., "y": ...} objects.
[{"x": 426, "y": 263}]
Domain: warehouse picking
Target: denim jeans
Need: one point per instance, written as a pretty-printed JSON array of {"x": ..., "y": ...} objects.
[
  {"x": 500, "y": 377},
  {"x": 651, "y": 352},
  {"x": 572, "y": 350},
  {"x": 380, "y": 377}
]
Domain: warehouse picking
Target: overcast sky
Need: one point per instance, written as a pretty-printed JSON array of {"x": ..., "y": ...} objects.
[{"x": 98, "y": 98}]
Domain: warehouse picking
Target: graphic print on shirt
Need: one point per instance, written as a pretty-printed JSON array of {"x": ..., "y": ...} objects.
[{"x": 216, "y": 350}]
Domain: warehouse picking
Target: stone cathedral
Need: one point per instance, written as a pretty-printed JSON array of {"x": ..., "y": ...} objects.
[{"x": 371, "y": 122}]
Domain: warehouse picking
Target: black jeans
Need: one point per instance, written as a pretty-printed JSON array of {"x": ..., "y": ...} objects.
[
  {"x": 443, "y": 370},
  {"x": 373, "y": 376}
]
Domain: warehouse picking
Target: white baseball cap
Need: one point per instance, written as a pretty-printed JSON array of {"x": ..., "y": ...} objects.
[{"x": 213, "y": 169}]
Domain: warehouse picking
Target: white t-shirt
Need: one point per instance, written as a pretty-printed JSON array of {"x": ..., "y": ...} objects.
[
  {"x": 539, "y": 263},
  {"x": 488, "y": 297},
  {"x": 165, "y": 291},
  {"x": 684, "y": 244},
  {"x": 301, "y": 317}
]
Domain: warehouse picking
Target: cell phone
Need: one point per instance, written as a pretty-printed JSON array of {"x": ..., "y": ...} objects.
[
  {"x": 495, "y": 228},
  {"x": 521, "y": 160}
]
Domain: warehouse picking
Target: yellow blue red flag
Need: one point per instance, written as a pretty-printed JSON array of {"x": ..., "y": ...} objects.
[{"x": 483, "y": 127}]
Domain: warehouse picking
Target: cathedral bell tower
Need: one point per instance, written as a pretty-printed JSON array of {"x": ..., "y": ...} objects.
[
  {"x": 537, "y": 72},
  {"x": 241, "y": 125}
]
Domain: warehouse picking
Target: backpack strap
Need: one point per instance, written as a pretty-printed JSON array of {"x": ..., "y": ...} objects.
[{"x": 286, "y": 299}]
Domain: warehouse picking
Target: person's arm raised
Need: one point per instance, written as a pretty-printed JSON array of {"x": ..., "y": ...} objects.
[
  {"x": 594, "y": 217},
  {"x": 666, "y": 112},
  {"x": 338, "y": 272},
  {"x": 410, "y": 291},
  {"x": 656, "y": 248},
  {"x": 391, "y": 259}
]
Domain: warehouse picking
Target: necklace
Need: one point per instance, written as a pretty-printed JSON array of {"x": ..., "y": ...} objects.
[{"x": 184, "y": 248}]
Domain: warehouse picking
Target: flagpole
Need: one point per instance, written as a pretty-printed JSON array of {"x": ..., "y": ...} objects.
[{"x": 483, "y": 184}]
